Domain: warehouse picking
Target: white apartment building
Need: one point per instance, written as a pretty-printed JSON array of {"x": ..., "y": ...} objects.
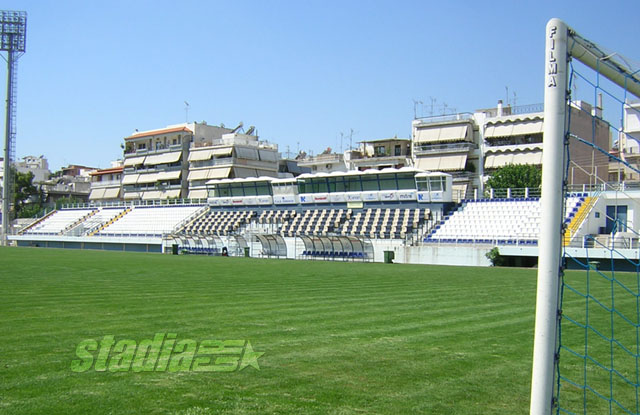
[
  {"x": 177, "y": 161},
  {"x": 471, "y": 146},
  {"x": 380, "y": 154}
]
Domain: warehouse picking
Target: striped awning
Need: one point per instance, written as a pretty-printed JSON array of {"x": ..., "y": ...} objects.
[
  {"x": 112, "y": 193},
  {"x": 147, "y": 178},
  {"x": 133, "y": 161},
  {"x": 442, "y": 134},
  {"x": 513, "y": 129},
  {"x": 168, "y": 175},
  {"x": 200, "y": 155},
  {"x": 97, "y": 194},
  {"x": 130, "y": 179},
  {"x": 198, "y": 194},
  {"x": 442, "y": 162},
  {"x": 165, "y": 158}
]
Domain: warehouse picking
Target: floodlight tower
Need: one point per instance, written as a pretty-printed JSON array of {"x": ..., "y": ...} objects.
[{"x": 13, "y": 31}]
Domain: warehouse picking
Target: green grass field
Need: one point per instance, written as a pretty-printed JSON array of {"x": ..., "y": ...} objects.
[{"x": 338, "y": 338}]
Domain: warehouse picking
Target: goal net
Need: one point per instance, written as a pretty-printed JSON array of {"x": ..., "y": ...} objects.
[{"x": 587, "y": 331}]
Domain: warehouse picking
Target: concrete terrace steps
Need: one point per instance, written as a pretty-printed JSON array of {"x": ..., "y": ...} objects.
[
  {"x": 491, "y": 221},
  {"x": 36, "y": 222},
  {"x": 109, "y": 222},
  {"x": 578, "y": 219}
]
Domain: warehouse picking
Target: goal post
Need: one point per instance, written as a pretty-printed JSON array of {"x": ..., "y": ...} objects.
[
  {"x": 546, "y": 321},
  {"x": 562, "y": 45}
]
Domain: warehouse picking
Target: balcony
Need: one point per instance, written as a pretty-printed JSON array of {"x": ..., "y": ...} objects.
[
  {"x": 212, "y": 162},
  {"x": 520, "y": 109},
  {"x": 235, "y": 141},
  {"x": 444, "y": 148},
  {"x": 148, "y": 151},
  {"x": 322, "y": 158},
  {"x": 152, "y": 169},
  {"x": 441, "y": 119},
  {"x": 105, "y": 183}
]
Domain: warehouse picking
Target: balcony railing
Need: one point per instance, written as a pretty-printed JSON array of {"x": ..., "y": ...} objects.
[
  {"x": 520, "y": 109},
  {"x": 158, "y": 202},
  {"x": 322, "y": 158},
  {"x": 105, "y": 183},
  {"x": 212, "y": 162},
  {"x": 436, "y": 119},
  {"x": 444, "y": 148},
  {"x": 159, "y": 150},
  {"x": 235, "y": 141}
]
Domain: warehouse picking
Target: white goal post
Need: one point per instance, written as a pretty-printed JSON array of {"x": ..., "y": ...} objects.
[{"x": 562, "y": 44}]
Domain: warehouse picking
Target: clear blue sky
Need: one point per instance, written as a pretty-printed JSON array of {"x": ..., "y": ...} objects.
[{"x": 300, "y": 71}]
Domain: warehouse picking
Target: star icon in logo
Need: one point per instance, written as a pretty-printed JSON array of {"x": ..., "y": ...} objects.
[{"x": 250, "y": 358}]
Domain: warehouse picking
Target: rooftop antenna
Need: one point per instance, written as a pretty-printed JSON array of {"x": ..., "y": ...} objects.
[
  {"x": 433, "y": 101},
  {"x": 507, "y": 100},
  {"x": 351, "y": 139},
  {"x": 514, "y": 99},
  {"x": 13, "y": 33},
  {"x": 415, "y": 108},
  {"x": 186, "y": 112}
]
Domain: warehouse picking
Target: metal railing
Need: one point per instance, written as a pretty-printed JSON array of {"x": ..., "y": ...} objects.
[
  {"x": 420, "y": 148},
  {"x": 163, "y": 202},
  {"x": 445, "y": 118},
  {"x": 515, "y": 193}
]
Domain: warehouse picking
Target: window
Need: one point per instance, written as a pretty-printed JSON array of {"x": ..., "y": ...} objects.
[
  {"x": 397, "y": 150},
  {"x": 354, "y": 184},
  {"x": 406, "y": 181},
  {"x": 370, "y": 183},
  {"x": 422, "y": 184},
  {"x": 388, "y": 182},
  {"x": 438, "y": 184},
  {"x": 250, "y": 190},
  {"x": 263, "y": 189},
  {"x": 319, "y": 185},
  {"x": 380, "y": 151},
  {"x": 142, "y": 146},
  {"x": 616, "y": 219},
  {"x": 337, "y": 184}
]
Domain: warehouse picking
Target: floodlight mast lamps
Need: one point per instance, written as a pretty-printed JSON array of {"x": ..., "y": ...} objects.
[{"x": 13, "y": 30}]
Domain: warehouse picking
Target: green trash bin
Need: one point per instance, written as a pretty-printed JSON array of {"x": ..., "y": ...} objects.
[
  {"x": 388, "y": 257},
  {"x": 246, "y": 251},
  {"x": 174, "y": 249}
]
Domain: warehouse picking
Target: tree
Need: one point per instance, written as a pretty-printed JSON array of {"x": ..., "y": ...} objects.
[
  {"x": 67, "y": 201},
  {"x": 27, "y": 198},
  {"x": 516, "y": 176}
]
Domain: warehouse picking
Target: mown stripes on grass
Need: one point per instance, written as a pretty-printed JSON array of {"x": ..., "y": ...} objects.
[{"x": 338, "y": 337}]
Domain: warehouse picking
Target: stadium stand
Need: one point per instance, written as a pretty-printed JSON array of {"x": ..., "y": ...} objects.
[
  {"x": 383, "y": 223},
  {"x": 219, "y": 222},
  {"x": 149, "y": 220},
  {"x": 58, "y": 222},
  {"x": 99, "y": 218},
  {"x": 386, "y": 223},
  {"x": 497, "y": 221}
]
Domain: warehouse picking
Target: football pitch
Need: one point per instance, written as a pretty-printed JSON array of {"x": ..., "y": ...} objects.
[{"x": 336, "y": 338}]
